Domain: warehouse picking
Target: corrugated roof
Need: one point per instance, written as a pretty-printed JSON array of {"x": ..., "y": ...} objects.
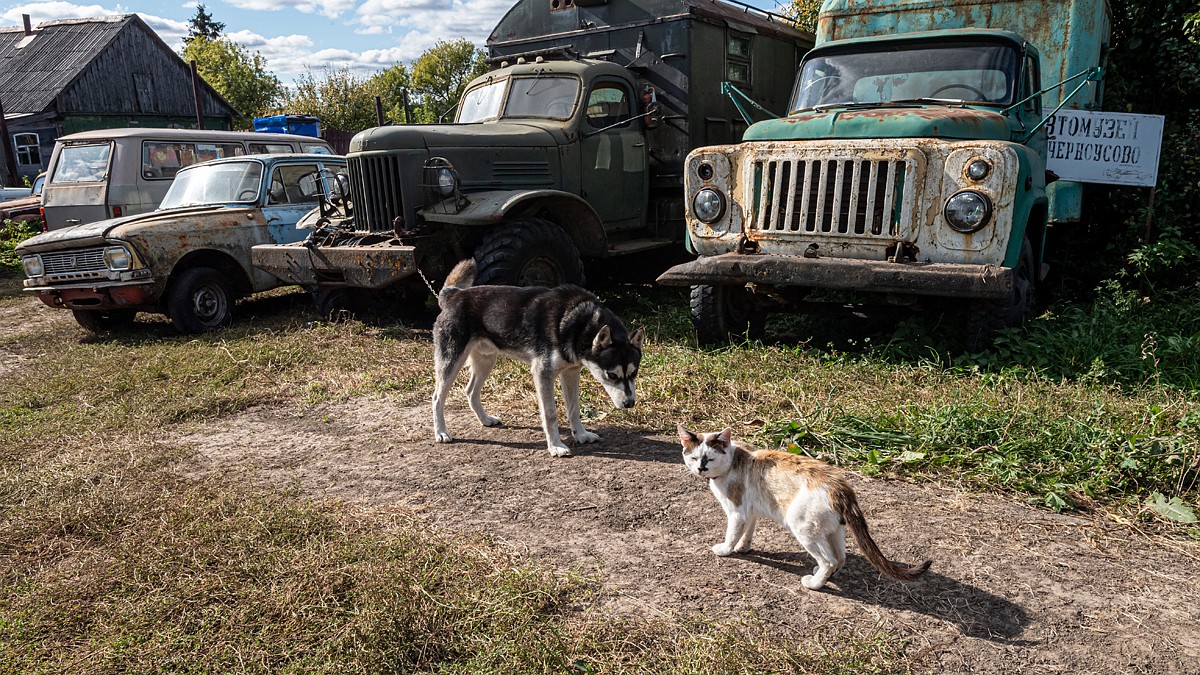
[{"x": 34, "y": 73}]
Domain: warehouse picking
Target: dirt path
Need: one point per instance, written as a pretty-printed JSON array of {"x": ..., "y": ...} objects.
[{"x": 1012, "y": 588}]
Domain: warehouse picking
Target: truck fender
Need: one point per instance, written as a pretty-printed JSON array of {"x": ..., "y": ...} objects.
[{"x": 568, "y": 211}]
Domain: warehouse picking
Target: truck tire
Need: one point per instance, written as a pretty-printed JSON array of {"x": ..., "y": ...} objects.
[
  {"x": 986, "y": 317},
  {"x": 528, "y": 252},
  {"x": 724, "y": 312},
  {"x": 104, "y": 321},
  {"x": 337, "y": 304},
  {"x": 200, "y": 300}
]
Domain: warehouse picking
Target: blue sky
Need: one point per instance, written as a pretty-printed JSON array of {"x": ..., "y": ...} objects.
[{"x": 363, "y": 35}]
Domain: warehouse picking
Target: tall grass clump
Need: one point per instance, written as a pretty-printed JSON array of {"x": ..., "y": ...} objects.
[{"x": 13, "y": 233}]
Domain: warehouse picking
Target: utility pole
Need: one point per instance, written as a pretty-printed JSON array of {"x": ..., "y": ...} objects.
[
  {"x": 10, "y": 158},
  {"x": 196, "y": 97}
]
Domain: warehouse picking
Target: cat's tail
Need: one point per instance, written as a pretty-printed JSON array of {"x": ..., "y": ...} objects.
[
  {"x": 462, "y": 276},
  {"x": 846, "y": 505}
]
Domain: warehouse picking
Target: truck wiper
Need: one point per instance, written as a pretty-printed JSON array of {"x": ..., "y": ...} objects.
[{"x": 935, "y": 101}]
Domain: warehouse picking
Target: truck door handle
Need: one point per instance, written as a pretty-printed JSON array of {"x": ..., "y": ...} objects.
[{"x": 639, "y": 144}]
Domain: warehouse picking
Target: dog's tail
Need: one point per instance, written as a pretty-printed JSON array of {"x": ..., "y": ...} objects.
[
  {"x": 462, "y": 276},
  {"x": 846, "y": 506}
]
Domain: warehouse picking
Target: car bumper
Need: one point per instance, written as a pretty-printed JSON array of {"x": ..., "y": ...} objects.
[
  {"x": 95, "y": 296},
  {"x": 934, "y": 279},
  {"x": 369, "y": 266}
]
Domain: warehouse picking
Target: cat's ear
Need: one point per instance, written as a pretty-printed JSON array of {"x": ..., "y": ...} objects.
[
  {"x": 603, "y": 339},
  {"x": 726, "y": 436},
  {"x": 639, "y": 336},
  {"x": 689, "y": 439}
]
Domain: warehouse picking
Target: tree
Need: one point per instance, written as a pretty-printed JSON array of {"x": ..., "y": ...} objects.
[
  {"x": 202, "y": 25},
  {"x": 241, "y": 77},
  {"x": 440, "y": 74},
  {"x": 340, "y": 98},
  {"x": 390, "y": 86},
  {"x": 804, "y": 12}
]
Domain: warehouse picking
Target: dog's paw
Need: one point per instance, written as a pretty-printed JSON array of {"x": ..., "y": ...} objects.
[
  {"x": 810, "y": 582},
  {"x": 442, "y": 437},
  {"x": 489, "y": 421},
  {"x": 586, "y": 436},
  {"x": 742, "y": 547},
  {"x": 560, "y": 451},
  {"x": 722, "y": 549}
]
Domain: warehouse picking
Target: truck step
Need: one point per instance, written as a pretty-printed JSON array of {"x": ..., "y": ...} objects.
[{"x": 638, "y": 245}]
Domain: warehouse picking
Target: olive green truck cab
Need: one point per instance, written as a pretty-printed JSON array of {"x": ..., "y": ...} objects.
[
  {"x": 570, "y": 149},
  {"x": 911, "y": 165}
]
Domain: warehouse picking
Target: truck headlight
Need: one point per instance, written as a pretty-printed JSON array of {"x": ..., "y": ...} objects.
[
  {"x": 33, "y": 266},
  {"x": 708, "y": 205},
  {"x": 968, "y": 211},
  {"x": 118, "y": 258},
  {"x": 978, "y": 169},
  {"x": 446, "y": 181}
]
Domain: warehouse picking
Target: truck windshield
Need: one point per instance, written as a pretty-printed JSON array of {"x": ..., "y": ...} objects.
[
  {"x": 224, "y": 183},
  {"x": 981, "y": 72},
  {"x": 538, "y": 96}
]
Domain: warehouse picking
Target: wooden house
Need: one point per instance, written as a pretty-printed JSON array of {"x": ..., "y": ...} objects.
[{"x": 81, "y": 74}]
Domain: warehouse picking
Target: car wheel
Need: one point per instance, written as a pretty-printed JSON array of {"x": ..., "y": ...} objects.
[
  {"x": 105, "y": 321},
  {"x": 986, "y": 317},
  {"x": 528, "y": 252},
  {"x": 200, "y": 300},
  {"x": 724, "y": 312}
]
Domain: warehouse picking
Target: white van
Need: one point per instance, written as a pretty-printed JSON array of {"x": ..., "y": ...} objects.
[{"x": 109, "y": 173}]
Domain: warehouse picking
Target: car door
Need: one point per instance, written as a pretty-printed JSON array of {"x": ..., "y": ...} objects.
[
  {"x": 614, "y": 159},
  {"x": 293, "y": 189}
]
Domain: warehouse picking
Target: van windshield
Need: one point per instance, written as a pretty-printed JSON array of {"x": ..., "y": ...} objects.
[
  {"x": 82, "y": 164},
  {"x": 983, "y": 72},
  {"x": 222, "y": 183}
]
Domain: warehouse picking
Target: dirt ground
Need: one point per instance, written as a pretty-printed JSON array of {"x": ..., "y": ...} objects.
[{"x": 1013, "y": 589}]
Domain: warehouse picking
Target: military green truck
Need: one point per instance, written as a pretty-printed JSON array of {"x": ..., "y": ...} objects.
[
  {"x": 570, "y": 149},
  {"x": 911, "y": 166}
]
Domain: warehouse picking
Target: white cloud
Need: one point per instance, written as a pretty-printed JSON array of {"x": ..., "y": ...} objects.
[{"x": 329, "y": 8}]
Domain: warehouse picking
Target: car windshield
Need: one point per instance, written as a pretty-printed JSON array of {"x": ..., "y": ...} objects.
[
  {"x": 979, "y": 72},
  {"x": 221, "y": 183},
  {"x": 535, "y": 96}
]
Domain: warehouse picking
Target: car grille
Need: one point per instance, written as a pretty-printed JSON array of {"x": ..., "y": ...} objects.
[
  {"x": 375, "y": 191},
  {"x": 75, "y": 265},
  {"x": 849, "y": 197}
]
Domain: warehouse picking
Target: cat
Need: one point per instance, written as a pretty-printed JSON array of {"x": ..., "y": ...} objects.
[{"x": 808, "y": 497}]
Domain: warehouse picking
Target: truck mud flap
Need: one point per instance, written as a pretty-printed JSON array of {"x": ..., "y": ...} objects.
[
  {"x": 376, "y": 266},
  {"x": 934, "y": 279}
]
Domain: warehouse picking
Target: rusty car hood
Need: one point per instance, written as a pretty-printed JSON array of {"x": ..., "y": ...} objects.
[
  {"x": 430, "y": 136},
  {"x": 893, "y": 121},
  {"x": 95, "y": 233}
]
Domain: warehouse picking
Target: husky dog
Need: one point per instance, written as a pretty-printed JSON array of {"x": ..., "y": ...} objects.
[
  {"x": 808, "y": 497},
  {"x": 556, "y": 331}
]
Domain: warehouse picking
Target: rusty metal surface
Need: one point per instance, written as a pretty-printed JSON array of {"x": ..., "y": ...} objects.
[
  {"x": 372, "y": 266},
  {"x": 139, "y": 295},
  {"x": 934, "y": 279}
]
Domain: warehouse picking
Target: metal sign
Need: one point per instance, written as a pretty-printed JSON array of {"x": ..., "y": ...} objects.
[{"x": 1104, "y": 147}]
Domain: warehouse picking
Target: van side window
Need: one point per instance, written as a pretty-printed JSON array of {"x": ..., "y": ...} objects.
[
  {"x": 295, "y": 184},
  {"x": 163, "y": 159},
  {"x": 270, "y": 148},
  {"x": 314, "y": 148}
]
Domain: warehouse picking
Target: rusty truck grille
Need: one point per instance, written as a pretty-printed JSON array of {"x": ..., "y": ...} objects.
[
  {"x": 851, "y": 197},
  {"x": 79, "y": 264},
  {"x": 375, "y": 191}
]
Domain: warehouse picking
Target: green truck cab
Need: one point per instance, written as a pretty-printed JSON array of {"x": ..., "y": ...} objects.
[
  {"x": 911, "y": 165},
  {"x": 570, "y": 150}
]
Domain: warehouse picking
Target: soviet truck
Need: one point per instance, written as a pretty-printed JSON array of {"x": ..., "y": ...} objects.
[
  {"x": 911, "y": 166},
  {"x": 570, "y": 149}
]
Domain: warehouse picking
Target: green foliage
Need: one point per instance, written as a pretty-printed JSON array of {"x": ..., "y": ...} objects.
[
  {"x": 804, "y": 12},
  {"x": 390, "y": 85},
  {"x": 11, "y": 234},
  {"x": 441, "y": 73},
  {"x": 340, "y": 98},
  {"x": 238, "y": 75},
  {"x": 202, "y": 25}
]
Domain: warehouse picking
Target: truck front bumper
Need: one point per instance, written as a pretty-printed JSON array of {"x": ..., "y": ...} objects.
[
  {"x": 369, "y": 266},
  {"x": 935, "y": 279}
]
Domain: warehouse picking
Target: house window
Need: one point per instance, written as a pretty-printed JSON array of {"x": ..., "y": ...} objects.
[
  {"x": 737, "y": 58},
  {"x": 29, "y": 152}
]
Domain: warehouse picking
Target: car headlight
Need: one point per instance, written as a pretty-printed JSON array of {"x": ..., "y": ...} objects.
[
  {"x": 446, "y": 182},
  {"x": 968, "y": 211},
  {"x": 708, "y": 205},
  {"x": 118, "y": 258},
  {"x": 33, "y": 266},
  {"x": 978, "y": 169}
]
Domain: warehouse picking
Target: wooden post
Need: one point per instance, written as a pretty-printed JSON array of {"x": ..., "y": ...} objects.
[
  {"x": 378, "y": 111},
  {"x": 196, "y": 97},
  {"x": 407, "y": 112},
  {"x": 10, "y": 157}
]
